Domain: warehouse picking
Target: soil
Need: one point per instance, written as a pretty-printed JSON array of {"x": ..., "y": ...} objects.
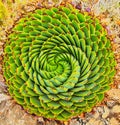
[{"x": 108, "y": 112}]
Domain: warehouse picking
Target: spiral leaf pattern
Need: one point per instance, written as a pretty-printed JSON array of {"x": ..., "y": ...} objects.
[{"x": 58, "y": 62}]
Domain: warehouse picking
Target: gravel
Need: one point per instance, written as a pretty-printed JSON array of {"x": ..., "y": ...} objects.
[{"x": 106, "y": 114}]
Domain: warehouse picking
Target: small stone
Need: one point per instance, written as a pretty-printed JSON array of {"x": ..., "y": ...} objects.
[
  {"x": 114, "y": 94},
  {"x": 100, "y": 110},
  {"x": 94, "y": 122},
  {"x": 106, "y": 112},
  {"x": 52, "y": 122},
  {"x": 110, "y": 103},
  {"x": 96, "y": 115},
  {"x": 113, "y": 121},
  {"x": 119, "y": 86},
  {"x": 4, "y": 97},
  {"x": 1, "y": 43},
  {"x": 88, "y": 9},
  {"x": 105, "y": 121},
  {"x": 1, "y": 78},
  {"x": 116, "y": 109},
  {"x": 40, "y": 121},
  {"x": 89, "y": 114},
  {"x": 75, "y": 122}
]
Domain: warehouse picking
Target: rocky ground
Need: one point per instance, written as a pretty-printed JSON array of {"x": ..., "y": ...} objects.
[{"x": 107, "y": 113}]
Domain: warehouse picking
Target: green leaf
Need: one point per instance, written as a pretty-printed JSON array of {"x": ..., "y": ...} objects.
[
  {"x": 104, "y": 89},
  {"x": 92, "y": 29},
  {"x": 95, "y": 47},
  {"x": 75, "y": 25},
  {"x": 64, "y": 28},
  {"x": 112, "y": 73},
  {"x": 44, "y": 105},
  {"x": 82, "y": 44},
  {"x": 83, "y": 93},
  {"x": 37, "y": 90},
  {"x": 27, "y": 100},
  {"x": 46, "y": 34},
  {"x": 100, "y": 79},
  {"x": 17, "y": 94},
  {"x": 44, "y": 90},
  {"x": 52, "y": 90},
  {"x": 89, "y": 86},
  {"x": 62, "y": 89},
  {"x": 66, "y": 103},
  {"x": 81, "y": 17},
  {"x": 66, "y": 114},
  {"x": 66, "y": 10},
  {"x": 19, "y": 100},
  {"x": 37, "y": 16},
  {"x": 64, "y": 97},
  {"x": 50, "y": 115},
  {"x": 53, "y": 97},
  {"x": 101, "y": 61},
  {"x": 94, "y": 38},
  {"x": 100, "y": 97},
  {"x": 95, "y": 70},
  {"x": 16, "y": 85},
  {"x": 55, "y": 22},
  {"x": 81, "y": 34},
  {"x": 60, "y": 117},
  {"x": 77, "y": 99},
  {"x": 19, "y": 80},
  {"x": 53, "y": 105},
  {"x": 7, "y": 49},
  {"x": 94, "y": 78},
  {"x": 89, "y": 97},
  {"x": 94, "y": 64},
  {"x": 13, "y": 67},
  {"x": 81, "y": 82},
  {"x": 78, "y": 88},
  {"x": 92, "y": 57},
  {"x": 31, "y": 92},
  {"x": 44, "y": 99},
  {"x": 46, "y": 18},
  {"x": 42, "y": 111},
  {"x": 24, "y": 76},
  {"x": 86, "y": 32},
  {"x": 49, "y": 12},
  {"x": 30, "y": 83},
  {"x": 76, "y": 40},
  {"x": 19, "y": 27},
  {"x": 35, "y": 101},
  {"x": 71, "y": 30},
  {"x": 81, "y": 104},
  {"x": 88, "y": 51},
  {"x": 57, "y": 111},
  {"x": 71, "y": 16},
  {"x": 96, "y": 88},
  {"x": 23, "y": 90},
  {"x": 101, "y": 45},
  {"x": 98, "y": 27}
]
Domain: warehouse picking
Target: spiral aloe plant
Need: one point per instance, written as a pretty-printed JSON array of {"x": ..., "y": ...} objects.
[{"x": 58, "y": 62}]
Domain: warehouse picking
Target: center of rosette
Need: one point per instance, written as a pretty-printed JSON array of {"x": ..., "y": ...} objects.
[{"x": 57, "y": 70}]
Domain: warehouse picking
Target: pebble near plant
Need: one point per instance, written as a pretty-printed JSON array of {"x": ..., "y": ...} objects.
[{"x": 58, "y": 62}]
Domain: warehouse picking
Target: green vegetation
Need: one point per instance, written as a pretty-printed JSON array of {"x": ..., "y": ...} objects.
[{"x": 58, "y": 62}]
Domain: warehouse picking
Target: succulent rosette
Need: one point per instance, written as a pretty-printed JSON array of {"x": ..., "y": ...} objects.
[{"x": 58, "y": 62}]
